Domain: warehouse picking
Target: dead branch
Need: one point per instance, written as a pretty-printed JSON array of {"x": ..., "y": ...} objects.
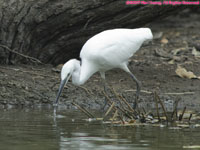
[
  {"x": 162, "y": 105},
  {"x": 175, "y": 108},
  {"x": 169, "y": 93},
  {"x": 20, "y": 54},
  {"x": 183, "y": 112},
  {"x": 182, "y": 93},
  {"x": 83, "y": 110},
  {"x": 124, "y": 100},
  {"x": 109, "y": 110},
  {"x": 156, "y": 102}
]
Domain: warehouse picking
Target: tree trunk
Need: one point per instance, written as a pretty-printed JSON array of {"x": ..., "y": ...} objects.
[{"x": 54, "y": 31}]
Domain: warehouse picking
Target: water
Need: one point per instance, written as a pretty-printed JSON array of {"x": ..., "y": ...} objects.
[{"x": 38, "y": 129}]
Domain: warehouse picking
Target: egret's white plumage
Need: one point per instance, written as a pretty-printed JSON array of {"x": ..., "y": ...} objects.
[{"x": 104, "y": 51}]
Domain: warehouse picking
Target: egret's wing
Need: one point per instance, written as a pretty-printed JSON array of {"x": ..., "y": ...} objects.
[{"x": 111, "y": 47}]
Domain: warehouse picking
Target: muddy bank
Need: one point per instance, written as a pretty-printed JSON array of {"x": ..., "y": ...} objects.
[{"x": 154, "y": 65}]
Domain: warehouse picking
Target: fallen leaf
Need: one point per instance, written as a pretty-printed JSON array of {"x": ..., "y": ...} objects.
[
  {"x": 178, "y": 50},
  {"x": 162, "y": 53},
  {"x": 196, "y": 45},
  {"x": 195, "y": 52},
  {"x": 175, "y": 59},
  {"x": 164, "y": 41},
  {"x": 171, "y": 62},
  {"x": 183, "y": 73}
]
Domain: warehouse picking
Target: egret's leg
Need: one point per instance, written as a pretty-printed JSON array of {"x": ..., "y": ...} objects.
[
  {"x": 138, "y": 84},
  {"x": 105, "y": 87},
  {"x": 106, "y": 92}
]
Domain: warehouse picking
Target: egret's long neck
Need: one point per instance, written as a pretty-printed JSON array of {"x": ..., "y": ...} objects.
[
  {"x": 83, "y": 72},
  {"x": 76, "y": 74}
]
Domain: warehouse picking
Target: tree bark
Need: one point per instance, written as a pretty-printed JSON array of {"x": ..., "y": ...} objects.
[{"x": 54, "y": 31}]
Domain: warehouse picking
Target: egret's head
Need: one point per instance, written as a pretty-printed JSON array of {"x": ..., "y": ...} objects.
[
  {"x": 66, "y": 73},
  {"x": 149, "y": 35}
]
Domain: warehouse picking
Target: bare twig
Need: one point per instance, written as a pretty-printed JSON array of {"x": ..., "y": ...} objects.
[
  {"x": 157, "y": 110},
  {"x": 125, "y": 113},
  {"x": 169, "y": 93},
  {"x": 183, "y": 93},
  {"x": 129, "y": 106},
  {"x": 142, "y": 91},
  {"x": 31, "y": 72},
  {"x": 161, "y": 103},
  {"x": 109, "y": 110},
  {"x": 87, "y": 91},
  {"x": 189, "y": 117},
  {"x": 120, "y": 101},
  {"x": 124, "y": 100},
  {"x": 20, "y": 54},
  {"x": 115, "y": 115},
  {"x": 108, "y": 98},
  {"x": 39, "y": 74},
  {"x": 144, "y": 110},
  {"x": 116, "y": 107},
  {"x": 121, "y": 118},
  {"x": 183, "y": 112},
  {"x": 175, "y": 108},
  {"x": 85, "y": 26},
  {"x": 83, "y": 110}
]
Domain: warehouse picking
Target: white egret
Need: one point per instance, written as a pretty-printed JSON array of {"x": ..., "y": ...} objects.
[{"x": 104, "y": 51}]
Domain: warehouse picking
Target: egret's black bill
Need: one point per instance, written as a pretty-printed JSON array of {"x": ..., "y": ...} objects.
[{"x": 62, "y": 84}]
